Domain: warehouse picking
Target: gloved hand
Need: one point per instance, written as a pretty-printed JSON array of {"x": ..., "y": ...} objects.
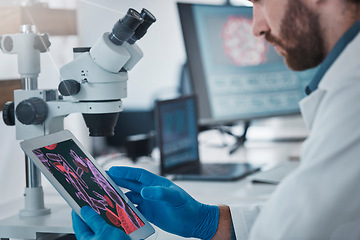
[
  {"x": 166, "y": 204},
  {"x": 95, "y": 227}
]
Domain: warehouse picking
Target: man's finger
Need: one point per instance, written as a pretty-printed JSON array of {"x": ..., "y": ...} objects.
[
  {"x": 82, "y": 231},
  {"x": 139, "y": 175},
  {"x": 134, "y": 197},
  {"x": 92, "y": 219},
  {"x": 125, "y": 183},
  {"x": 171, "y": 196}
]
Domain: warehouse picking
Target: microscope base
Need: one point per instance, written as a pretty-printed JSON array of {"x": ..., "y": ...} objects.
[{"x": 58, "y": 222}]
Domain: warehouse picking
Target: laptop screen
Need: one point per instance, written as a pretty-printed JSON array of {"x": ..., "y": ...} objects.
[{"x": 177, "y": 132}]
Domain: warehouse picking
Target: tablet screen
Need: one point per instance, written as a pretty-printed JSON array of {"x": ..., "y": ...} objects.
[{"x": 86, "y": 185}]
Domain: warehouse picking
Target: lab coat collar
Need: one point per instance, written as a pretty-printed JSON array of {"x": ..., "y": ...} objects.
[
  {"x": 309, "y": 106},
  {"x": 333, "y": 55}
]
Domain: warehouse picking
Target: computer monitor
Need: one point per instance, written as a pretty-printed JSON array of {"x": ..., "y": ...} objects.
[{"x": 235, "y": 75}]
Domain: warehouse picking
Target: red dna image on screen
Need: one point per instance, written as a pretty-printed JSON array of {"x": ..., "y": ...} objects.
[{"x": 76, "y": 174}]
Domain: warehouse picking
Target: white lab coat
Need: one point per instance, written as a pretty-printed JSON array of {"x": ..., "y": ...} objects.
[{"x": 321, "y": 199}]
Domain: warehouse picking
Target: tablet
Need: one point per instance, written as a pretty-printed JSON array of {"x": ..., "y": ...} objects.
[{"x": 81, "y": 181}]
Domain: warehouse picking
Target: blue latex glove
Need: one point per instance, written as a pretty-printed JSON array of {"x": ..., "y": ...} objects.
[
  {"x": 166, "y": 204},
  {"x": 95, "y": 227}
]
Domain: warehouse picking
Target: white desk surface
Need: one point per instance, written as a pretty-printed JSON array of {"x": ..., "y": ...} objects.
[{"x": 258, "y": 150}]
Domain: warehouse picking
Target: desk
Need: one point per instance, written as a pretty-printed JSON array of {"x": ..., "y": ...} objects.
[
  {"x": 241, "y": 192},
  {"x": 212, "y": 149}
]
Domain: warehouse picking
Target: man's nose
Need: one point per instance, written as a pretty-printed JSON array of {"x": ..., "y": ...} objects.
[{"x": 259, "y": 26}]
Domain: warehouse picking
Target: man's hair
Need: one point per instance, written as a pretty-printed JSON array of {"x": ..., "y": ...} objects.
[{"x": 354, "y": 1}]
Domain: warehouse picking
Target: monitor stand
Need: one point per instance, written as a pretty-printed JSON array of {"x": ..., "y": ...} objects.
[{"x": 240, "y": 140}]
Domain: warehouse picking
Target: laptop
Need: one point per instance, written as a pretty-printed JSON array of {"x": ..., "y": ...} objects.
[{"x": 177, "y": 137}]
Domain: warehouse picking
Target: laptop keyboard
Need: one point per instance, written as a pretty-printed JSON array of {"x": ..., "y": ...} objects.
[{"x": 216, "y": 169}]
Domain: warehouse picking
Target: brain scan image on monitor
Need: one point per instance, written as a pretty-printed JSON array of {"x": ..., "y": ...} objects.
[{"x": 240, "y": 46}]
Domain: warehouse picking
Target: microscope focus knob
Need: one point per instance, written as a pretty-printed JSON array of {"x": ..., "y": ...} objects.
[
  {"x": 42, "y": 43},
  {"x": 69, "y": 87},
  {"x": 9, "y": 113},
  {"x": 32, "y": 111}
]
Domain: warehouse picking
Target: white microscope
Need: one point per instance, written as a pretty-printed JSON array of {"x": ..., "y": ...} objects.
[{"x": 93, "y": 84}]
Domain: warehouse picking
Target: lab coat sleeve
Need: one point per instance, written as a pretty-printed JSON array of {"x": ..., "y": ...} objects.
[{"x": 243, "y": 218}]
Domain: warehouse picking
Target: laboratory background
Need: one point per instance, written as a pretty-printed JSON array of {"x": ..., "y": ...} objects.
[
  {"x": 159, "y": 76},
  {"x": 156, "y": 75}
]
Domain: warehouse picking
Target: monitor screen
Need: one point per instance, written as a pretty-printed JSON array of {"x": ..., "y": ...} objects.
[
  {"x": 235, "y": 75},
  {"x": 177, "y": 131}
]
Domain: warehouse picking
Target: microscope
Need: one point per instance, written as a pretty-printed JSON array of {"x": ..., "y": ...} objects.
[{"x": 92, "y": 84}]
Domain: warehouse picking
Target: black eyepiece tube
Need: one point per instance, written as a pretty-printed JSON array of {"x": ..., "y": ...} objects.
[
  {"x": 132, "y": 19},
  {"x": 148, "y": 16},
  {"x": 125, "y": 27},
  {"x": 149, "y": 19}
]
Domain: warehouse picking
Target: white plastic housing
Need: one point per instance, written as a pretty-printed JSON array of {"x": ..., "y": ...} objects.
[
  {"x": 97, "y": 84},
  {"x": 136, "y": 55},
  {"x": 28, "y": 56},
  {"x": 108, "y": 55}
]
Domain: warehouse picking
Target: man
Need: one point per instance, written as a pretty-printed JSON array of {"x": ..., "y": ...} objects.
[{"x": 321, "y": 199}]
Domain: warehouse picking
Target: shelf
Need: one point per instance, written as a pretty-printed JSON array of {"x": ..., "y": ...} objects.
[
  {"x": 7, "y": 88},
  {"x": 52, "y": 21}
]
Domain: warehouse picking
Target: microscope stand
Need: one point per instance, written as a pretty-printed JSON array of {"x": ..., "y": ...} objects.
[{"x": 50, "y": 226}]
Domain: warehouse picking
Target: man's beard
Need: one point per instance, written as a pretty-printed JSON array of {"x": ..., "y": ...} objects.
[{"x": 300, "y": 37}]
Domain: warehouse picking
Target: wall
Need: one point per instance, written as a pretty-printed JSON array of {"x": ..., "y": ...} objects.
[{"x": 156, "y": 75}]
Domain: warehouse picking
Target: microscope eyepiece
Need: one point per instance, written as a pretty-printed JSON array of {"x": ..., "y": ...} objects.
[
  {"x": 132, "y": 19},
  {"x": 149, "y": 19},
  {"x": 148, "y": 16},
  {"x": 125, "y": 27}
]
